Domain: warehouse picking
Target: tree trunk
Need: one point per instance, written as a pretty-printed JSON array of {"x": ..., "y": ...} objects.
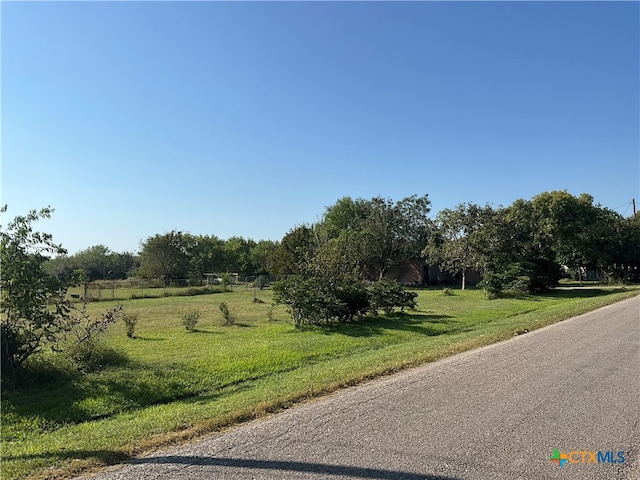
[{"x": 464, "y": 278}]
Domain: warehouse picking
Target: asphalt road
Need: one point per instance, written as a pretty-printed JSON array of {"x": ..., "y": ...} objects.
[{"x": 498, "y": 412}]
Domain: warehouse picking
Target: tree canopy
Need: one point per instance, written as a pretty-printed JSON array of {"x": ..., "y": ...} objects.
[{"x": 523, "y": 243}]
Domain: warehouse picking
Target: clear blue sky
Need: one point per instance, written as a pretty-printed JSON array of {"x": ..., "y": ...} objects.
[{"x": 132, "y": 119}]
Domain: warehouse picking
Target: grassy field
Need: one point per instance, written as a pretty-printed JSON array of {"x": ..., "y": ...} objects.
[
  {"x": 172, "y": 385},
  {"x": 125, "y": 290}
]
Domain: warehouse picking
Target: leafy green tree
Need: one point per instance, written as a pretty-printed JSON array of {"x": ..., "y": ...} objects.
[
  {"x": 454, "y": 244},
  {"x": 61, "y": 266},
  {"x": 626, "y": 259},
  {"x": 260, "y": 254},
  {"x": 581, "y": 234},
  {"x": 237, "y": 255},
  {"x": 206, "y": 255},
  {"x": 166, "y": 256},
  {"x": 336, "y": 257},
  {"x": 517, "y": 251},
  {"x": 380, "y": 234},
  {"x": 124, "y": 264},
  {"x": 97, "y": 263},
  {"x": 346, "y": 215},
  {"x": 291, "y": 256},
  {"x": 34, "y": 310},
  {"x": 34, "y": 307}
]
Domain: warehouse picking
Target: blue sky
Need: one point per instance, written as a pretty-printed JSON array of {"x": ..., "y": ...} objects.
[{"x": 132, "y": 119}]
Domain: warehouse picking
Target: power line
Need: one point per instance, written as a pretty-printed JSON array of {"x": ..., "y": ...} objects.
[
  {"x": 628, "y": 204},
  {"x": 625, "y": 203},
  {"x": 627, "y": 209}
]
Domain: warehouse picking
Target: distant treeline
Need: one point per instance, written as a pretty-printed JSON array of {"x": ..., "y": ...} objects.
[
  {"x": 527, "y": 245},
  {"x": 170, "y": 255}
]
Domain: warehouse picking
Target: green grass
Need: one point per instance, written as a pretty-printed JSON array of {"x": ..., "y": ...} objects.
[
  {"x": 177, "y": 385},
  {"x": 103, "y": 291}
]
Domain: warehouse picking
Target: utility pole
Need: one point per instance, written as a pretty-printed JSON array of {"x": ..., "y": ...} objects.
[{"x": 633, "y": 201}]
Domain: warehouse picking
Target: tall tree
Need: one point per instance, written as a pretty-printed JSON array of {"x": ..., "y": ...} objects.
[
  {"x": 166, "y": 256},
  {"x": 97, "y": 263},
  {"x": 579, "y": 231},
  {"x": 292, "y": 254},
  {"x": 206, "y": 256},
  {"x": 453, "y": 246},
  {"x": 237, "y": 255},
  {"x": 627, "y": 256},
  {"x": 260, "y": 254},
  {"x": 517, "y": 250},
  {"x": 380, "y": 233}
]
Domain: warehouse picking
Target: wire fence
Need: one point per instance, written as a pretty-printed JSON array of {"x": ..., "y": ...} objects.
[{"x": 105, "y": 290}]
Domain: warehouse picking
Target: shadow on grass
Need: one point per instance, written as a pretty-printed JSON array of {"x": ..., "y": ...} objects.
[
  {"x": 56, "y": 398},
  {"x": 582, "y": 292},
  {"x": 243, "y": 325},
  {"x": 148, "y": 339},
  {"x": 562, "y": 292},
  {"x": 423, "y": 324},
  {"x": 107, "y": 457},
  {"x": 200, "y": 331}
]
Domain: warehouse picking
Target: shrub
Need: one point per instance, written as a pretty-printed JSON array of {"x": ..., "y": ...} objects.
[
  {"x": 225, "y": 281},
  {"x": 527, "y": 276},
  {"x": 270, "y": 315},
  {"x": 190, "y": 319},
  {"x": 387, "y": 294},
  {"x": 93, "y": 355},
  {"x": 81, "y": 343},
  {"x": 303, "y": 298},
  {"x": 192, "y": 291},
  {"x": 315, "y": 300},
  {"x": 521, "y": 284},
  {"x": 352, "y": 299},
  {"x": 407, "y": 299},
  {"x": 492, "y": 284},
  {"x": 130, "y": 321},
  {"x": 447, "y": 292},
  {"x": 226, "y": 313}
]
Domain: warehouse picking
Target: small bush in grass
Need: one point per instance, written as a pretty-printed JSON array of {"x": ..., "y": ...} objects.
[
  {"x": 225, "y": 281},
  {"x": 130, "y": 321},
  {"x": 270, "y": 315},
  {"x": 387, "y": 294},
  {"x": 447, "y": 292},
  {"x": 228, "y": 317},
  {"x": 190, "y": 319},
  {"x": 93, "y": 355}
]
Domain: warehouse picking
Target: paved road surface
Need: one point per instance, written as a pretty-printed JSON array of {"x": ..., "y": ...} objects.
[{"x": 494, "y": 413}]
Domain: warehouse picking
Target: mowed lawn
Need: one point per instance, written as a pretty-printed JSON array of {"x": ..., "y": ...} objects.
[{"x": 169, "y": 385}]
